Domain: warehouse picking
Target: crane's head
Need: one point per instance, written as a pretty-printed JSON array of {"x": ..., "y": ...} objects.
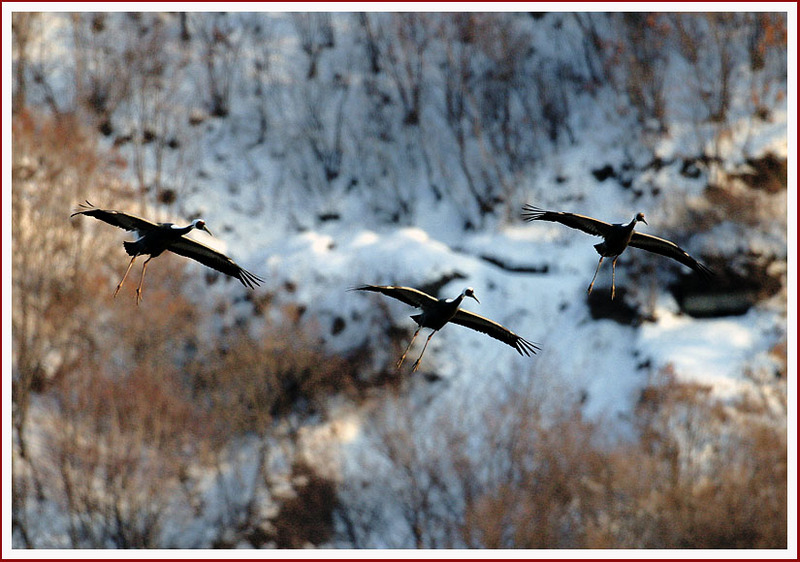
[
  {"x": 200, "y": 224},
  {"x": 470, "y": 292},
  {"x": 640, "y": 218}
]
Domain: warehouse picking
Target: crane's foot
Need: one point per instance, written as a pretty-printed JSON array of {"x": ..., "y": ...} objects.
[
  {"x": 416, "y": 365},
  {"x": 117, "y": 290},
  {"x": 138, "y": 296},
  {"x": 612, "y": 292},
  {"x": 400, "y": 362},
  {"x": 589, "y": 290}
]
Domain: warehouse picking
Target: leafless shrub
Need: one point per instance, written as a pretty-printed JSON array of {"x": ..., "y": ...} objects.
[
  {"x": 116, "y": 438},
  {"x": 245, "y": 382},
  {"x": 154, "y": 114},
  {"x": 403, "y": 54},
  {"x": 119, "y": 445},
  {"x": 103, "y": 73},
  {"x": 221, "y": 42},
  {"x": 407, "y": 480},
  {"x": 477, "y": 91},
  {"x": 323, "y": 127},
  {"x": 264, "y": 387},
  {"x": 593, "y": 46},
  {"x": 260, "y": 35},
  {"x": 55, "y": 166},
  {"x": 306, "y": 518},
  {"x": 67, "y": 345},
  {"x": 767, "y": 50},
  {"x": 708, "y": 43},
  {"x": 716, "y": 474},
  {"x": 22, "y": 28},
  {"x": 153, "y": 401},
  {"x": 518, "y": 475},
  {"x": 316, "y": 34},
  {"x": 130, "y": 419},
  {"x": 645, "y": 65},
  {"x": 502, "y": 102}
]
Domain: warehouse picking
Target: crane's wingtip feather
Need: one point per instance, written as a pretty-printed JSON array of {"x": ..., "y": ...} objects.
[
  {"x": 249, "y": 280},
  {"x": 375, "y": 288},
  {"x": 527, "y": 348},
  {"x": 531, "y": 212},
  {"x": 705, "y": 271},
  {"x": 82, "y": 208}
]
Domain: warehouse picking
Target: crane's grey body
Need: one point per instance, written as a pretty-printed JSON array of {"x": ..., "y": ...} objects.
[
  {"x": 155, "y": 238},
  {"x": 436, "y": 313},
  {"x": 616, "y": 239}
]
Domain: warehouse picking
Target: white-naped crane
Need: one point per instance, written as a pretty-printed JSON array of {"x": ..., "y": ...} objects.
[
  {"x": 154, "y": 238},
  {"x": 438, "y": 312},
  {"x": 617, "y": 237}
]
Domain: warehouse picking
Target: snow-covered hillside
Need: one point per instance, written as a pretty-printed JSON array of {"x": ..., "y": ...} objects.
[{"x": 330, "y": 151}]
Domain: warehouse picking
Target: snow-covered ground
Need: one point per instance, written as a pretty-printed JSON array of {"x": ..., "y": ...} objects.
[{"x": 246, "y": 193}]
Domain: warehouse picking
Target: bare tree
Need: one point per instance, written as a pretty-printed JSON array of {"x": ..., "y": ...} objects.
[
  {"x": 404, "y": 52},
  {"x": 512, "y": 471},
  {"x": 22, "y": 29},
  {"x": 645, "y": 68},
  {"x": 315, "y": 30},
  {"x": 54, "y": 166},
  {"x": 221, "y": 39}
]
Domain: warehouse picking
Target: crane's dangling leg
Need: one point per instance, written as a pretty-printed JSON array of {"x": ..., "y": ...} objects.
[
  {"x": 403, "y": 358},
  {"x": 595, "y": 275},
  {"x": 613, "y": 276},
  {"x": 141, "y": 282},
  {"x": 424, "y": 347},
  {"x": 119, "y": 286}
]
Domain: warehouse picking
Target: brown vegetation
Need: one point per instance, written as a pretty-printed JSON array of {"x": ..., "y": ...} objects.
[
  {"x": 700, "y": 474},
  {"x": 132, "y": 400}
]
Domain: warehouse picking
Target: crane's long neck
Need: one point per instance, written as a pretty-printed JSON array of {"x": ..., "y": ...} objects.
[
  {"x": 180, "y": 230},
  {"x": 454, "y": 304}
]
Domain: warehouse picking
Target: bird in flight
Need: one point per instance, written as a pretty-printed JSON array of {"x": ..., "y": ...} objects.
[
  {"x": 616, "y": 238},
  {"x": 154, "y": 238},
  {"x": 435, "y": 313}
]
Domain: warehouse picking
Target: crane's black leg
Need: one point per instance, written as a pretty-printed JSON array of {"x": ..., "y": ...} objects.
[
  {"x": 403, "y": 358},
  {"x": 595, "y": 275},
  {"x": 141, "y": 282},
  {"x": 416, "y": 363},
  {"x": 613, "y": 276},
  {"x": 119, "y": 286}
]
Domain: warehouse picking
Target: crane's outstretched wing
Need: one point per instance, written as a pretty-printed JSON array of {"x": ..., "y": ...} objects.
[
  {"x": 495, "y": 330},
  {"x": 411, "y": 297},
  {"x": 581, "y": 222},
  {"x": 669, "y": 249},
  {"x": 115, "y": 218},
  {"x": 216, "y": 260}
]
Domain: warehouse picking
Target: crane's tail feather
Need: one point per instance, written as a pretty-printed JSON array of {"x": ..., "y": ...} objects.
[{"x": 131, "y": 247}]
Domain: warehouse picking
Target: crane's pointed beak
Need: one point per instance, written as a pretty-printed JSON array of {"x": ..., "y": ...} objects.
[
  {"x": 476, "y": 298},
  {"x": 644, "y": 221},
  {"x": 207, "y": 230}
]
